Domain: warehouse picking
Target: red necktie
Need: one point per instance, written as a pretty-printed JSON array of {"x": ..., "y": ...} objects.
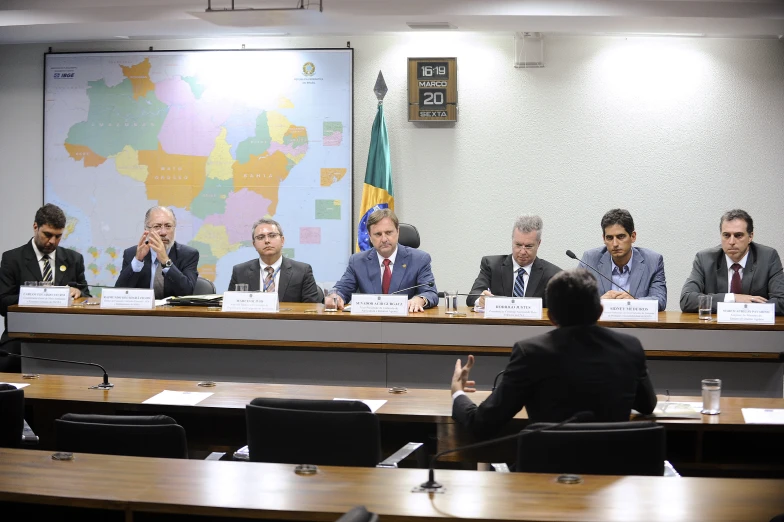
[
  {"x": 735, "y": 286},
  {"x": 387, "y": 277}
]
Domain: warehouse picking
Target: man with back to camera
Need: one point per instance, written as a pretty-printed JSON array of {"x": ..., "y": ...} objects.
[
  {"x": 738, "y": 271},
  {"x": 519, "y": 274},
  {"x": 578, "y": 366},
  {"x": 271, "y": 272},
  {"x": 159, "y": 262},
  {"x": 41, "y": 259},
  {"x": 638, "y": 270},
  {"x": 388, "y": 267}
]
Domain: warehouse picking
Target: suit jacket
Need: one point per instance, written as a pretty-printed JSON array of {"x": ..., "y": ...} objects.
[
  {"x": 646, "y": 280},
  {"x": 497, "y": 274},
  {"x": 412, "y": 267},
  {"x": 566, "y": 370},
  {"x": 295, "y": 285},
  {"x": 178, "y": 280},
  {"x": 762, "y": 276}
]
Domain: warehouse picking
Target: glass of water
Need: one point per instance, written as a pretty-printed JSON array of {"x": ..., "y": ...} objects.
[
  {"x": 241, "y": 287},
  {"x": 711, "y": 396},
  {"x": 330, "y": 300},
  {"x": 450, "y": 300},
  {"x": 704, "y": 305}
]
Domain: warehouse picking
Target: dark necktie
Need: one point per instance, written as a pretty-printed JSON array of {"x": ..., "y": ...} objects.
[
  {"x": 157, "y": 283},
  {"x": 47, "y": 269},
  {"x": 735, "y": 285},
  {"x": 387, "y": 277},
  {"x": 269, "y": 281},
  {"x": 519, "y": 284}
]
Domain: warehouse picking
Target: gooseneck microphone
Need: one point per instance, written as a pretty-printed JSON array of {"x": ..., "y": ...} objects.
[
  {"x": 105, "y": 385},
  {"x": 429, "y": 283},
  {"x": 431, "y": 485},
  {"x": 571, "y": 254}
]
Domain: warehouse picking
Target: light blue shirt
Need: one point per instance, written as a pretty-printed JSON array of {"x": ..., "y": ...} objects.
[
  {"x": 137, "y": 266},
  {"x": 620, "y": 276}
]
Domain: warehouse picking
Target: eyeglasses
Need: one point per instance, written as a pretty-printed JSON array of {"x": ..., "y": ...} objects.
[
  {"x": 157, "y": 228},
  {"x": 272, "y": 235},
  {"x": 527, "y": 248}
]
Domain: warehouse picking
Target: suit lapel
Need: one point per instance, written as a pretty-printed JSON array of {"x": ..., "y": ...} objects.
[
  {"x": 31, "y": 265},
  {"x": 254, "y": 277},
  {"x": 507, "y": 274},
  {"x": 61, "y": 260},
  {"x": 373, "y": 271},
  {"x": 285, "y": 277},
  {"x": 638, "y": 267},
  {"x": 605, "y": 267},
  {"x": 748, "y": 272},
  {"x": 722, "y": 274},
  {"x": 173, "y": 253},
  {"x": 399, "y": 269},
  {"x": 534, "y": 278}
]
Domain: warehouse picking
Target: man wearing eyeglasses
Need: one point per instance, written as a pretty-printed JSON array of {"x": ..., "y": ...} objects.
[
  {"x": 519, "y": 274},
  {"x": 271, "y": 272},
  {"x": 159, "y": 262}
]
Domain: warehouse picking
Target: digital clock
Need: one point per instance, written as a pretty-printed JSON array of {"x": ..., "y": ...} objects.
[{"x": 432, "y": 89}]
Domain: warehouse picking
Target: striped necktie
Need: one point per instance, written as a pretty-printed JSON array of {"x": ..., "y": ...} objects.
[
  {"x": 269, "y": 281},
  {"x": 519, "y": 284},
  {"x": 47, "y": 269}
]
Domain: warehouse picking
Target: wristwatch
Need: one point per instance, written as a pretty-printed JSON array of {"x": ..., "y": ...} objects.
[{"x": 167, "y": 264}]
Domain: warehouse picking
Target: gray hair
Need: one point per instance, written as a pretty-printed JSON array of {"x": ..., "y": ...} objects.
[
  {"x": 163, "y": 209},
  {"x": 529, "y": 223},
  {"x": 264, "y": 221}
]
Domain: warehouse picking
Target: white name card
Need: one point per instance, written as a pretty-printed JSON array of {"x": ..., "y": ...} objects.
[
  {"x": 752, "y": 313},
  {"x": 265, "y": 302},
  {"x": 44, "y": 296},
  {"x": 128, "y": 298},
  {"x": 513, "y": 307},
  {"x": 630, "y": 310},
  {"x": 379, "y": 304}
]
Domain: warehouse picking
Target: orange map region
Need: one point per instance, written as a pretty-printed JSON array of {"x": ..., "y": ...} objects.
[
  {"x": 139, "y": 75},
  {"x": 208, "y": 272},
  {"x": 173, "y": 179},
  {"x": 82, "y": 152},
  {"x": 330, "y": 176},
  {"x": 262, "y": 174}
]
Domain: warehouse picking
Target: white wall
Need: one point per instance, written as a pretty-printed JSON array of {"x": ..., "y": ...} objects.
[{"x": 675, "y": 130}]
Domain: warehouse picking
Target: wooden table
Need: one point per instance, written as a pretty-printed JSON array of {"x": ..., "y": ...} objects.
[
  {"x": 302, "y": 344},
  {"x": 712, "y": 444},
  {"x": 132, "y": 488}
]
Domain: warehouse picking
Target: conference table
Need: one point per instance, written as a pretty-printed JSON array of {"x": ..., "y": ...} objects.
[
  {"x": 706, "y": 445},
  {"x": 33, "y": 486},
  {"x": 304, "y": 344}
]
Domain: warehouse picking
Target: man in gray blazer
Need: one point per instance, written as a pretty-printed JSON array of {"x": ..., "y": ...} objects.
[
  {"x": 520, "y": 273},
  {"x": 271, "y": 272},
  {"x": 636, "y": 273},
  {"x": 738, "y": 271}
]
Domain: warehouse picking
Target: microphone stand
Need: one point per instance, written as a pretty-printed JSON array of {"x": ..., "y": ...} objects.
[
  {"x": 571, "y": 254},
  {"x": 105, "y": 385}
]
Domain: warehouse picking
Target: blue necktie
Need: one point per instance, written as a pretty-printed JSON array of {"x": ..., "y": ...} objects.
[{"x": 519, "y": 285}]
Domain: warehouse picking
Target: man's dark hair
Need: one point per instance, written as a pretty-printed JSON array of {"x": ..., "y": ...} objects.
[
  {"x": 618, "y": 216},
  {"x": 51, "y": 215},
  {"x": 573, "y": 298},
  {"x": 737, "y": 213}
]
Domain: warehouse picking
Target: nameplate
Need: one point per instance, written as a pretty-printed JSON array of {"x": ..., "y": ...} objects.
[
  {"x": 264, "y": 302},
  {"x": 513, "y": 307},
  {"x": 630, "y": 310},
  {"x": 750, "y": 313},
  {"x": 128, "y": 298},
  {"x": 44, "y": 296},
  {"x": 379, "y": 304}
]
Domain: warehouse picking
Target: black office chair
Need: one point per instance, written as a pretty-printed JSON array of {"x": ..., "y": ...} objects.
[
  {"x": 11, "y": 416},
  {"x": 322, "y": 432},
  {"x": 203, "y": 287},
  {"x": 359, "y": 514},
  {"x": 598, "y": 448},
  {"x": 135, "y": 436},
  {"x": 409, "y": 235}
]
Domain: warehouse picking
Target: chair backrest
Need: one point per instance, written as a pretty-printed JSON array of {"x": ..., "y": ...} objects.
[
  {"x": 203, "y": 287},
  {"x": 409, "y": 235},
  {"x": 135, "y": 436},
  {"x": 599, "y": 448},
  {"x": 358, "y": 514},
  {"x": 322, "y": 432},
  {"x": 11, "y": 416}
]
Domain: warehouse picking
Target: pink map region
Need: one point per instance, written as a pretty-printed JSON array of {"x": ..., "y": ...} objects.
[
  {"x": 190, "y": 126},
  {"x": 242, "y": 209},
  {"x": 287, "y": 149},
  {"x": 333, "y": 140},
  {"x": 310, "y": 236}
]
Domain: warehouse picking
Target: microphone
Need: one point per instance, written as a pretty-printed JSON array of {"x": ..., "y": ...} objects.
[
  {"x": 571, "y": 254},
  {"x": 432, "y": 486},
  {"x": 105, "y": 385},
  {"x": 429, "y": 283}
]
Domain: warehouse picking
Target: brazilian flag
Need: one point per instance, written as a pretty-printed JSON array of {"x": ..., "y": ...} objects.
[{"x": 377, "y": 192}]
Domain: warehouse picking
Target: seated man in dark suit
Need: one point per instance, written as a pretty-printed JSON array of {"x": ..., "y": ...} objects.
[
  {"x": 519, "y": 274},
  {"x": 271, "y": 272},
  {"x": 388, "y": 267},
  {"x": 41, "y": 259},
  {"x": 578, "y": 366},
  {"x": 159, "y": 262},
  {"x": 738, "y": 271}
]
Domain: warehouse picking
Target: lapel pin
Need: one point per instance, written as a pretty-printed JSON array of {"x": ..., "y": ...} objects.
[
  {"x": 404, "y": 266},
  {"x": 62, "y": 268}
]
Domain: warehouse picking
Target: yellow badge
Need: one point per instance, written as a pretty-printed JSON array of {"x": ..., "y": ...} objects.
[
  {"x": 404, "y": 266},
  {"x": 62, "y": 268}
]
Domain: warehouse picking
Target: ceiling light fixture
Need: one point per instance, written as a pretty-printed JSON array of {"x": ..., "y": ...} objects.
[
  {"x": 431, "y": 26},
  {"x": 301, "y": 4}
]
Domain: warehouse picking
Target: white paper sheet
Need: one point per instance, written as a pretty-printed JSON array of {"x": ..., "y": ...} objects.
[
  {"x": 763, "y": 416},
  {"x": 374, "y": 405},
  {"x": 178, "y": 398},
  {"x": 18, "y": 386}
]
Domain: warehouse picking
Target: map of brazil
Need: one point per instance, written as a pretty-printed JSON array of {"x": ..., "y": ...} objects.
[{"x": 223, "y": 138}]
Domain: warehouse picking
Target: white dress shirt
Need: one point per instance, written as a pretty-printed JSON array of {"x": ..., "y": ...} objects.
[
  {"x": 275, "y": 270},
  {"x": 39, "y": 256}
]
